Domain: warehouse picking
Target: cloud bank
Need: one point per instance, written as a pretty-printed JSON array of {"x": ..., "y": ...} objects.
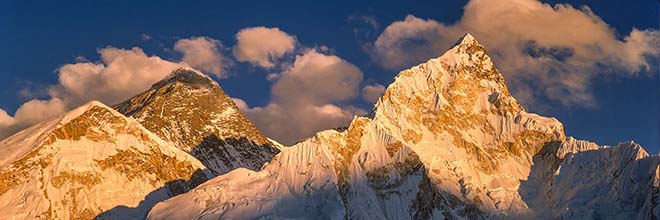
[
  {"x": 118, "y": 75},
  {"x": 31, "y": 112},
  {"x": 544, "y": 51}
]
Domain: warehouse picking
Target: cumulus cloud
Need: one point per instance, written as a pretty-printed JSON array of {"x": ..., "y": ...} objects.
[
  {"x": 371, "y": 93},
  {"x": 30, "y": 113},
  {"x": 544, "y": 51},
  {"x": 6, "y": 121},
  {"x": 262, "y": 46},
  {"x": 118, "y": 75},
  {"x": 204, "y": 54},
  {"x": 5, "y": 118},
  {"x": 407, "y": 42},
  {"x": 121, "y": 74},
  {"x": 307, "y": 97}
]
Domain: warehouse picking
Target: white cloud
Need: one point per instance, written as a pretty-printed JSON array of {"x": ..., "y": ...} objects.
[
  {"x": 307, "y": 98},
  {"x": 262, "y": 46},
  {"x": 5, "y": 119},
  {"x": 30, "y": 113},
  {"x": 5, "y": 122},
  {"x": 318, "y": 77},
  {"x": 204, "y": 54},
  {"x": 407, "y": 42},
  {"x": 120, "y": 74},
  {"x": 555, "y": 52},
  {"x": 309, "y": 95},
  {"x": 372, "y": 93},
  {"x": 35, "y": 111}
]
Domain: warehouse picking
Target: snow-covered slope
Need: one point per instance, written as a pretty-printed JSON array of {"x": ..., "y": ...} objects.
[
  {"x": 446, "y": 141},
  {"x": 300, "y": 183},
  {"x": 191, "y": 110},
  {"x": 611, "y": 183},
  {"x": 91, "y": 162},
  {"x": 581, "y": 180}
]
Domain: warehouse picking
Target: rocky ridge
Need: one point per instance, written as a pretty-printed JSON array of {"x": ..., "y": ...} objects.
[{"x": 190, "y": 110}]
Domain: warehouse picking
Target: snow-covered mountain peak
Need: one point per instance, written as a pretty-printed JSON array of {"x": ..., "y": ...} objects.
[
  {"x": 460, "y": 90},
  {"x": 467, "y": 39},
  {"x": 464, "y": 76},
  {"x": 89, "y": 163},
  {"x": 456, "y": 113},
  {"x": 190, "y": 110},
  {"x": 187, "y": 76},
  {"x": 66, "y": 118}
]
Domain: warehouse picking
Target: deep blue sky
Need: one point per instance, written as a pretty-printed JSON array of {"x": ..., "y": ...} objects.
[{"x": 38, "y": 37}]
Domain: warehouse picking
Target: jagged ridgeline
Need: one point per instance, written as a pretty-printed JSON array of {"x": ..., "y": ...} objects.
[
  {"x": 446, "y": 141},
  {"x": 191, "y": 110}
]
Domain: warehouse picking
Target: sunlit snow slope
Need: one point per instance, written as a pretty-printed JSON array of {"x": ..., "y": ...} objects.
[{"x": 91, "y": 162}]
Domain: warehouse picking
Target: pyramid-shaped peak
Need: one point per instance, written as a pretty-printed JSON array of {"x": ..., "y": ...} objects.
[
  {"x": 77, "y": 112},
  {"x": 467, "y": 39},
  {"x": 183, "y": 72},
  {"x": 94, "y": 103},
  {"x": 186, "y": 76}
]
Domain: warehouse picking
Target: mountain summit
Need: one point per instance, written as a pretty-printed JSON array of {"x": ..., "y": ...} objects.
[
  {"x": 446, "y": 141},
  {"x": 91, "y": 163},
  {"x": 191, "y": 110}
]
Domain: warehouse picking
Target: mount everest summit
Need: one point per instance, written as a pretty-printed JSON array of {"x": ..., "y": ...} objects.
[{"x": 446, "y": 141}]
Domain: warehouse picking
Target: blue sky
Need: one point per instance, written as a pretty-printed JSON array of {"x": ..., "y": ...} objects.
[{"x": 40, "y": 37}]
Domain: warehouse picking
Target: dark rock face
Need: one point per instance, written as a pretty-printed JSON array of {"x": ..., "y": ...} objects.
[{"x": 192, "y": 111}]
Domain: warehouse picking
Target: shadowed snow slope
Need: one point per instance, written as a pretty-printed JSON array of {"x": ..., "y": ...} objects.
[
  {"x": 89, "y": 162},
  {"x": 446, "y": 141}
]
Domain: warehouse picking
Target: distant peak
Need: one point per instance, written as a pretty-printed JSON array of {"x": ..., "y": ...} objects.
[
  {"x": 467, "y": 39},
  {"x": 77, "y": 112},
  {"x": 89, "y": 105},
  {"x": 94, "y": 103},
  {"x": 186, "y": 72},
  {"x": 186, "y": 76}
]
